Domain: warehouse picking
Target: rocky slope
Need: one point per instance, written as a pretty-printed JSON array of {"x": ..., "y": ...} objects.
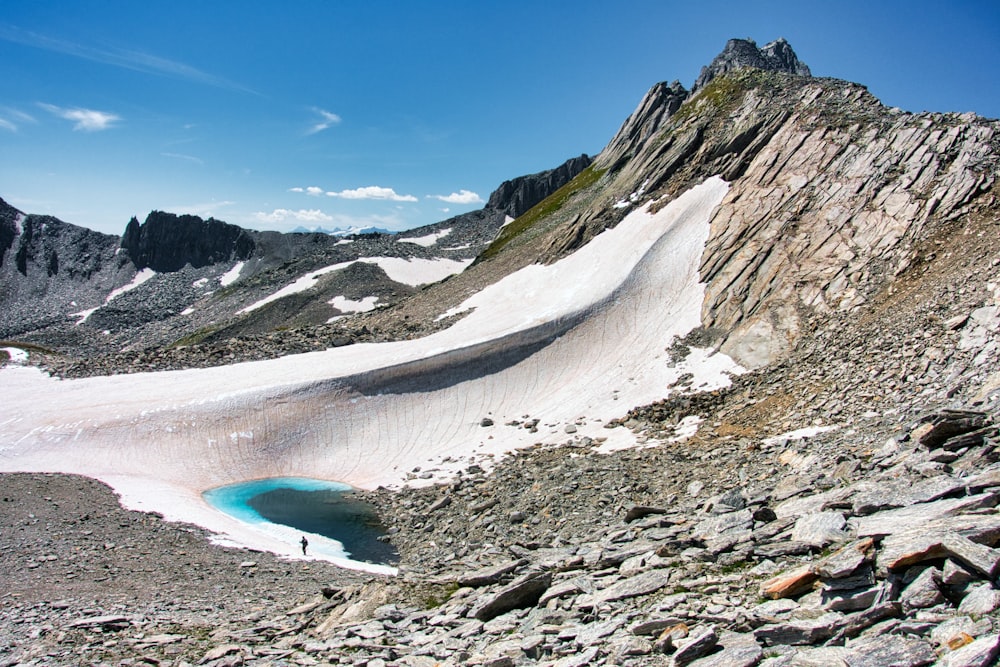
[
  {"x": 835, "y": 506},
  {"x": 180, "y": 280}
]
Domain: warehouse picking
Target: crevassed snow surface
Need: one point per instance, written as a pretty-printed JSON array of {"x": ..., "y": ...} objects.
[
  {"x": 429, "y": 240},
  {"x": 559, "y": 343},
  {"x": 140, "y": 277}
]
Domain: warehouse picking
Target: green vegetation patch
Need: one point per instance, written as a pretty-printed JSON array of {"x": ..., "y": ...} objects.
[
  {"x": 542, "y": 210},
  {"x": 722, "y": 93},
  {"x": 195, "y": 338}
]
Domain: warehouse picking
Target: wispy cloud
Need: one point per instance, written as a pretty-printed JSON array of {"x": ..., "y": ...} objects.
[
  {"x": 460, "y": 197},
  {"x": 327, "y": 120},
  {"x": 138, "y": 61},
  {"x": 12, "y": 119},
  {"x": 205, "y": 210},
  {"x": 186, "y": 158},
  {"x": 87, "y": 120},
  {"x": 372, "y": 192},
  {"x": 302, "y": 215}
]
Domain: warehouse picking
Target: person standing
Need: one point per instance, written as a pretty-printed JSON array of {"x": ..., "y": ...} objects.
[{"x": 305, "y": 543}]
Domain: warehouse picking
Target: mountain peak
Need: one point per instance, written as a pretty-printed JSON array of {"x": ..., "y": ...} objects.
[{"x": 776, "y": 56}]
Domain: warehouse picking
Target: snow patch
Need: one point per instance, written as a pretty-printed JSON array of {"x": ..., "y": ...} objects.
[
  {"x": 798, "y": 434},
  {"x": 232, "y": 275},
  {"x": 506, "y": 221},
  {"x": 17, "y": 355},
  {"x": 407, "y": 271},
  {"x": 304, "y": 283},
  {"x": 345, "y": 305},
  {"x": 198, "y": 284},
  {"x": 417, "y": 271},
  {"x": 187, "y": 311},
  {"x": 140, "y": 277},
  {"x": 429, "y": 240}
]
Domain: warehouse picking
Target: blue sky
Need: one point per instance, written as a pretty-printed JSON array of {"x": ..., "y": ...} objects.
[{"x": 274, "y": 115}]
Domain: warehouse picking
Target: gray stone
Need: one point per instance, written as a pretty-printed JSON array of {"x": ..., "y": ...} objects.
[
  {"x": 980, "y": 653},
  {"x": 699, "y": 643},
  {"x": 923, "y": 591},
  {"x": 916, "y": 546},
  {"x": 490, "y": 575},
  {"x": 956, "y": 628},
  {"x": 954, "y": 574},
  {"x": 845, "y": 560},
  {"x": 905, "y": 518},
  {"x": 820, "y": 529},
  {"x": 851, "y": 599},
  {"x": 890, "y": 651},
  {"x": 524, "y": 591},
  {"x": 641, "y": 584},
  {"x": 801, "y": 631},
  {"x": 980, "y": 600},
  {"x": 738, "y": 650}
]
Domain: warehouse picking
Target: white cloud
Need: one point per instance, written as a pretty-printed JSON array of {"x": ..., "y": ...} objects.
[
  {"x": 372, "y": 192},
  {"x": 186, "y": 158},
  {"x": 88, "y": 120},
  {"x": 327, "y": 120},
  {"x": 302, "y": 215},
  {"x": 312, "y": 190},
  {"x": 7, "y": 125},
  {"x": 460, "y": 197}
]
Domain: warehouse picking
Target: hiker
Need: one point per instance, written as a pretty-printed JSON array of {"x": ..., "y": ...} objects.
[{"x": 304, "y": 543}]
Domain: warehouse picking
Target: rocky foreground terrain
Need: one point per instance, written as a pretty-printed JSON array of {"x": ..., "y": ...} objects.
[{"x": 835, "y": 506}]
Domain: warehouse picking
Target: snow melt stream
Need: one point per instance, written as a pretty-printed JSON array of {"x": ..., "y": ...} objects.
[{"x": 580, "y": 341}]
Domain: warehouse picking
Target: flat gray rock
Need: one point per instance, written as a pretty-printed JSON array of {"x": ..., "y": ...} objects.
[
  {"x": 981, "y": 653},
  {"x": 820, "y": 528},
  {"x": 641, "y": 584},
  {"x": 522, "y": 592},
  {"x": 699, "y": 643},
  {"x": 905, "y": 518},
  {"x": 980, "y": 600},
  {"x": 890, "y": 651},
  {"x": 924, "y": 591},
  {"x": 489, "y": 575}
]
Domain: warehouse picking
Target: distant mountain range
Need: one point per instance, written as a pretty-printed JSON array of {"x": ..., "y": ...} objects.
[{"x": 342, "y": 231}]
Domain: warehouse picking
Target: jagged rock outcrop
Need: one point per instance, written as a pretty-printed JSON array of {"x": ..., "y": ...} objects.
[
  {"x": 776, "y": 56},
  {"x": 831, "y": 191},
  {"x": 9, "y": 227},
  {"x": 51, "y": 268},
  {"x": 168, "y": 242},
  {"x": 516, "y": 196}
]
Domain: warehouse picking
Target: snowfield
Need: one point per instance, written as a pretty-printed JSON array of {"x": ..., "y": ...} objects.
[{"x": 578, "y": 342}]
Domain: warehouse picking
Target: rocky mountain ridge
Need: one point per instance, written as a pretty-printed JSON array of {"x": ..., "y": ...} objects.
[{"x": 81, "y": 294}]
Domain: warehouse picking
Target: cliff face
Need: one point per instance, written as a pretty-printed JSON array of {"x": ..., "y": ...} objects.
[
  {"x": 167, "y": 242},
  {"x": 516, "y": 196}
]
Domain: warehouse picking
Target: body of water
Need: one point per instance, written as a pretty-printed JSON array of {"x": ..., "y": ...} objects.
[{"x": 334, "y": 522}]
